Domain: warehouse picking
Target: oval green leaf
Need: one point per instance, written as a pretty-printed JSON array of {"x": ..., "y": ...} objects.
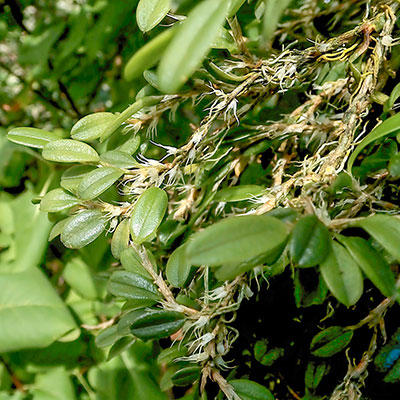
[
  {"x": 69, "y": 151},
  {"x": 394, "y": 166},
  {"x": 31, "y": 137},
  {"x": 120, "y": 239},
  {"x": 310, "y": 242},
  {"x": 178, "y": 268},
  {"x": 330, "y": 341},
  {"x": 132, "y": 286},
  {"x": 92, "y": 126},
  {"x": 372, "y": 264},
  {"x": 236, "y": 239},
  {"x": 132, "y": 262},
  {"x": 385, "y": 230},
  {"x": 249, "y": 390},
  {"x": 58, "y": 200},
  {"x": 342, "y": 275},
  {"x": 107, "y": 336},
  {"x": 157, "y": 324},
  {"x": 98, "y": 181},
  {"x": 150, "y": 13},
  {"x": 72, "y": 177},
  {"x": 119, "y": 159},
  {"x": 186, "y": 376},
  {"x": 191, "y": 44},
  {"x": 83, "y": 228},
  {"x": 147, "y": 214}
]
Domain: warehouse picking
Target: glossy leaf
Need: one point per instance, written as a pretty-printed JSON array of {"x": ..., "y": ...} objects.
[
  {"x": 120, "y": 346},
  {"x": 58, "y": 228},
  {"x": 178, "y": 268},
  {"x": 31, "y": 137},
  {"x": 372, "y": 264},
  {"x": 83, "y": 228},
  {"x": 168, "y": 355},
  {"x": 148, "y": 55},
  {"x": 342, "y": 275},
  {"x": 69, "y": 151},
  {"x": 157, "y": 324},
  {"x": 147, "y": 214},
  {"x": 330, "y": 341},
  {"x": 98, "y": 181},
  {"x": 132, "y": 262},
  {"x": 107, "y": 336},
  {"x": 58, "y": 200},
  {"x": 72, "y": 177},
  {"x": 238, "y": 193},
  {"x": 388, "y": 127},
  {"x": 119, "y": 159},
  {"x": 191, "y": 43},
  {"x": 150, "y": 13},
  {"x": 249, "y": 390},
  {"x": 385, "y": 230},
  {"x": 132, "y": 286},
  {"x": 130, "y": 146},
  {"x": 120, "y": 239},
  {"x": 92, "y": 126},
  {"x": 310, "y": 242},
  {"x": 236, "y": 239},
  {"x": 186, "y": 376}
]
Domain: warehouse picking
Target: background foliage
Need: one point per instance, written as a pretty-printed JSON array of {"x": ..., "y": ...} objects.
[{"x": 234, "y": 196}]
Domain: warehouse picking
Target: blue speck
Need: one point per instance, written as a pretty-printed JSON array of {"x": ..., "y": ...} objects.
[{"x": 392, "y": 357}]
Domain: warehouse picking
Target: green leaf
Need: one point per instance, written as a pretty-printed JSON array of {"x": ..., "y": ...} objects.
[
  {"x": 394, "y": 95},
  {"x": 191, "y": 44},
  {"x": 31, "y": 137},
  {"x": 238, "y": 193},
  {"x": 107, "y": 336},
  {"x": 69, "y": 151},
  {"x": 236, "y": 239},
  {"x": 150, "y": 13},
  {"x": 98, "y": 181},
  {"x": 72, "y": 177},
  {"x": 388, "y": 127},
  {"x": 186, "y": 376},
  {"x": 249, "y": 390},
  {"x": 120, "y": 346},
  {"x": 58, "y": 228},
  {"x": 168, "y": 355},
  {"x": 310, "y": 242},
  {"x": 330, "y": 341},
  {"x": 385, "y": 230},
  {"x": 119, "y": 159},
  {"x": 92, "y": 126},
  {"x": 394, "y": 166},
  {"x": 342, "y": 275},
  {"x": 31, "y": 313},
  {"x": 83, "y": 228},
  {"x": 148, "y": 55},
  {"x": 53, "y": 384},
  {"x": 178, "y": 268},
  {"x": 272, "y": 14},
  {"x": 58, "y": 200},
  {"x": 234, "y": 7},
  {"x": 147, "y": 214},
  {"x": 157, "y": 324},
  {"x": 132, "y": 262},
  {"x": 132, "y": 286},
  {"x": 120, "y": 239},
  {"x": 372, "y": 264}
]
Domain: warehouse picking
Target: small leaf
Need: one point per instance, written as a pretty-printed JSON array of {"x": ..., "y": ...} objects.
[
  {"x": 132, "y": 262},
  {"x": 236, "y": 239},
  {"x": 92, "y": 126},
  {"x": 119, "y": 159},
  {"x": 394, "y": 95},
  {"x": 372, "y": 263},
  {"x": 394, "y": 166},
  {"x": 83, "y": 228},
  {"x": 238, "y": 193},
  {"x": 120, "y": 346},
  {"x": 157, "y": 324},
  {"x": 186, "y": 376},
  {"x": 178, "y": 268},
  {"x": 150, "y": 13},
  {"x": 31, "y": 137},
  {"x": 388, "y": 127},
  {"x": 148, "y": 56},
  {"x": 168, "y": 355},
  {"x": 330, "y": 341},
  {"x": 342, "y": 275},
  {"x": 130, "y": 146},
  {"x": 72, "y": 177},
  {"x": 234, "y": 7},
  {"x": 310, "y": 242},
  {"x": 58, "y": 228},
  {"x": 249, "y": 390},
  {"x": 385, "y": 230},
  {"x": 107, "y": 336},
  {"x": 69, "y": 151},
  {"x": 58, "y": 200},
  {"x": 120, "y": 239},
  {"x": 191, "y": 43},
  {"x": 148, "y": 213},
  {"x": 98, "y": 181},
  {"x": 132, "y": 286}
]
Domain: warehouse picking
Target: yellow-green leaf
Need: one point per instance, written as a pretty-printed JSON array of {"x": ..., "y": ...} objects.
[
  {"x": 178, "y": 268},
  {"x": 69, "y": 151},
  {"x": 31, "y": 137},
  {"x": 58, "y": 200},
  {"x": 150, "y": 13},
  {"x": 92, "y": 126}
]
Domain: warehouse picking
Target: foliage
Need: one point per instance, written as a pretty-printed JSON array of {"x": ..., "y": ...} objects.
[{"x": 221, "y": 179}]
